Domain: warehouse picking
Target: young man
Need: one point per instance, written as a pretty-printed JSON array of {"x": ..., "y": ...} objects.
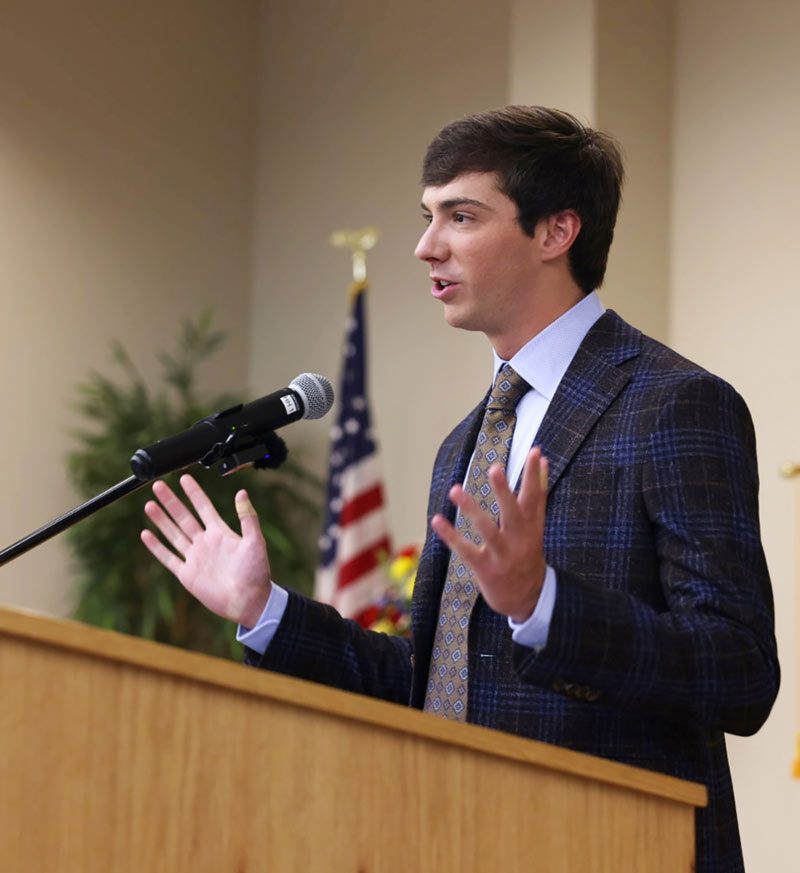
[{"x": 604, "y": 590}]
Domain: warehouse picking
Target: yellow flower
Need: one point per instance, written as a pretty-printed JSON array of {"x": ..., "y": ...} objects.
[
  {"x": 383, "y": 626},
  {"x": 401, "y": 567},
  {"x": 408, "y": 589}
]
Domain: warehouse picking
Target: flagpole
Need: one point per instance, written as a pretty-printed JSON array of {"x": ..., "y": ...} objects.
[{"x": 790, "y": 470}]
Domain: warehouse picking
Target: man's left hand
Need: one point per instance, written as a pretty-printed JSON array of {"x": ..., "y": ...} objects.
[{"x": 509, "y": 564}]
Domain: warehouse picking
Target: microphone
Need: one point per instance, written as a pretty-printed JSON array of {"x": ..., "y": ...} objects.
[{"x": 244, "y": 425}]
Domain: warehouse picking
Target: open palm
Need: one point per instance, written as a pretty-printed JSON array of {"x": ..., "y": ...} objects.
[{"x": 227, "y": 572}]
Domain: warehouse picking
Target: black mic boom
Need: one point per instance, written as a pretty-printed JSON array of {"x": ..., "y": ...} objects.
[{"x": 218, "y": 435}]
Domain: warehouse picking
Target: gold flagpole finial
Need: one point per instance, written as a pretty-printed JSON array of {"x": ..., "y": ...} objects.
[
  {"x": 359, "y": 242},
  {"x": 789, "y": 469}
]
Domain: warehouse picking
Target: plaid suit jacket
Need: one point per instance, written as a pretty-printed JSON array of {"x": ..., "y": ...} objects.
[{"x": 662, "y": 634}]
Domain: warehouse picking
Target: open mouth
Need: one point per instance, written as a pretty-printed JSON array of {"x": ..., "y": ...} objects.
[{"x": 442, "y": 290}]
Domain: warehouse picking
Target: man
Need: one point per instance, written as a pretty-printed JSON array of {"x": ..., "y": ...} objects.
[{"x": 613, "y": 598}]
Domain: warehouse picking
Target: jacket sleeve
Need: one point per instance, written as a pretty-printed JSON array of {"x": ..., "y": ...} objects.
[
  {"x": 314, "y": 642},
  {"x": 710, "y": 656}
]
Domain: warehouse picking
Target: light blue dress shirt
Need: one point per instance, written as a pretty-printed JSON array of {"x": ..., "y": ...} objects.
[{"x": 541, "y": 362}]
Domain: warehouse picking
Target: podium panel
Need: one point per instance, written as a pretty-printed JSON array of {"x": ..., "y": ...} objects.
[{"x": 125, "y": 755}]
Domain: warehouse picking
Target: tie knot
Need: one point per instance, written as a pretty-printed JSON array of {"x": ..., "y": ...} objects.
[{"x": 508, "y": 389}]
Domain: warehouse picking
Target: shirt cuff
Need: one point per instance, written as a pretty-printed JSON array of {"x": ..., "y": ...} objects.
[
  {"x": 533, "y": 632},
  {"x": 260, "y": 636}
]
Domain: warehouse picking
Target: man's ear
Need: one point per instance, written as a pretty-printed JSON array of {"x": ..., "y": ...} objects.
[{"x": 557, "y": 233}]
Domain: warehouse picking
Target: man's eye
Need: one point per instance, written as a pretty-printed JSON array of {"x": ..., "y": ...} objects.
[
  {"x": 460, "y": 218},
  {"x": 427, "y": 218}
]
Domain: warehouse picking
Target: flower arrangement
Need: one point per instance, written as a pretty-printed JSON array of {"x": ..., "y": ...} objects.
[{"x": 392, "y": 613}]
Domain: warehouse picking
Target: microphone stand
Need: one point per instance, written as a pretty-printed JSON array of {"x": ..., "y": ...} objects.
[
  {"x": 262, "y": 450},
  {"x": 121, "y": 489}
]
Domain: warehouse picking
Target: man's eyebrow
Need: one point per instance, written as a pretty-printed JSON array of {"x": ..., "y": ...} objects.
[{"x": 457, "y": 201}]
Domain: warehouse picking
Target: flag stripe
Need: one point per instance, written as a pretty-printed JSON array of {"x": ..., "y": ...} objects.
[
  {"x": 359, "y": 476},
  {"x": 368, "y": 529},
  {"x": 362, "y": 563},
  {"x": 361, "y": 505},
  {"x": 356, "y": 598},
  {"x": 325, "y": 584}
]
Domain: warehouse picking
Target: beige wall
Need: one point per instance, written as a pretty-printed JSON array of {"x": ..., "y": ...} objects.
[
  {"x": 735, "y": 309},
  {"x": 553, "y": 55},
  {"x": 633, "y": 100},
  {"x": 126, "y": 152}
]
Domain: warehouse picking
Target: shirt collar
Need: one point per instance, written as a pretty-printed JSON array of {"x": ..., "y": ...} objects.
[{"x": 544, "y": 359}]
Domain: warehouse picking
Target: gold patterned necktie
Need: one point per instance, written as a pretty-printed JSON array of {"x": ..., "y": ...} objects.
[{"x": 448, "y": 675}]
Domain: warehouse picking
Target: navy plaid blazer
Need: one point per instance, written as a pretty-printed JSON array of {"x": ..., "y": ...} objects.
[{"x": 662, "y": 633}]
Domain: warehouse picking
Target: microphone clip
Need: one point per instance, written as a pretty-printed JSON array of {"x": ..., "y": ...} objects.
[{"x": 264, "y": 450}]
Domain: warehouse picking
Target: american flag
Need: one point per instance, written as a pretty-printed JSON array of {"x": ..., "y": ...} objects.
[{"x": 355, "y": 531}]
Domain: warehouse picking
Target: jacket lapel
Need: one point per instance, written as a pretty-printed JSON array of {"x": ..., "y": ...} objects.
[{"x": 592, "y": 381}]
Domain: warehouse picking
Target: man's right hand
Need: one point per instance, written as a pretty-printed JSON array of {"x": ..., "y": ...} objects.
[{"x": 226, "y": 572}]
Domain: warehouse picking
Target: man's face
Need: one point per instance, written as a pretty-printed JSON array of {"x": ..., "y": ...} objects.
[{"x": 484, "y": 268}]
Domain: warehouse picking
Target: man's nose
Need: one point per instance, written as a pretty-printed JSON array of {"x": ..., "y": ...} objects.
[{"x": 431, "y": 247}]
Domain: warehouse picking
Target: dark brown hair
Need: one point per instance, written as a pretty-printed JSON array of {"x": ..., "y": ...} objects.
[{"x": 546, "y": 161}]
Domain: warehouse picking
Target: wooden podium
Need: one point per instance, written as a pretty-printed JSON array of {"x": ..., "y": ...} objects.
[{"x": 121, "y": 755}]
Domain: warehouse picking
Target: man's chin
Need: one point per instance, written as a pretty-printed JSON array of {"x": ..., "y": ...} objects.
[{"x": 459, "y": 318}]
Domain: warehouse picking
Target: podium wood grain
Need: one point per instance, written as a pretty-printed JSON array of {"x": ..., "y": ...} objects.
[{"x": 122, "y": 755}]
